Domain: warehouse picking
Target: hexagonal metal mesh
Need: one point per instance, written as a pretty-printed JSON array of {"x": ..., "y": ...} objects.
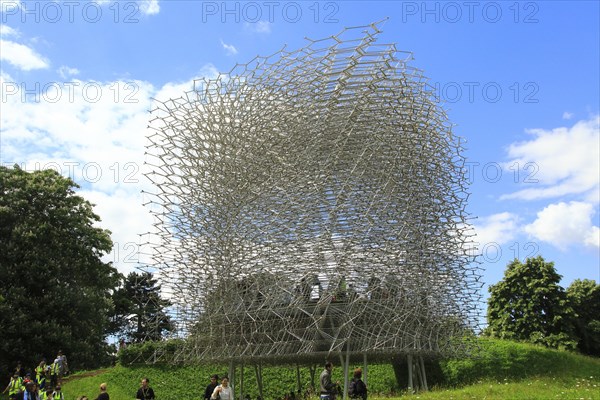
[{"x": 313, "y": 202}]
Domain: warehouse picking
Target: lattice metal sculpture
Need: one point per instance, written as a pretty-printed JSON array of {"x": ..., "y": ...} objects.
[{"x": 312, "y": 203}]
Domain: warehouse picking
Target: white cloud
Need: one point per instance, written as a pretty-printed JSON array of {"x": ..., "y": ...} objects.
[
  {"x": 21, "y": 56},
  {"x": 567, "y": 115},
  {"x": 65, "y": 71},
  {"x": 6, "y": 30},
  {"x": 229, "y": 48},
  {"x": 592, "y": 238},
  {"x": 563, "y": 161},
  {"x": 263, "y": 27},
  {"x": 123, "y": 208},
  {"x": 94, "y": 132},
  {"x": 4, "y": 78},
  {"x": 149, "y": 7},
  {"x": 497, "y": 228},
  {"x": 565, "y": 224},
  {"x": 175, "y": 90},
  {"x": 209, "y": 71},
  {"x": 259, "y": 27}
]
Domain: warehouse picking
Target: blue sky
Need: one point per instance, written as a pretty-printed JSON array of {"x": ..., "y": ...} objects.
[{"x": 519, "y": 79}]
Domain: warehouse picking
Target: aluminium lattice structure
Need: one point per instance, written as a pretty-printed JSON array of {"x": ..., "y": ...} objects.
[{"x": 311, "y": 204}]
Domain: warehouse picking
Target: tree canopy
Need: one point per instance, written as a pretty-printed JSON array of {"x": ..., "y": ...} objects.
[
  {"x": 584, "y": 299},
  {"x": 140, "y": 311},
  {"x": 55, "y": 287},
  {"x": 529, "y": 304}
]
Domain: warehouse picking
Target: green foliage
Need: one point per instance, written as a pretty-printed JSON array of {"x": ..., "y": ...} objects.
[
  {"x": 139, "y": 310},
  {"x": 497, "y": 369},
  {"x": 123, "y": 382},
  {"x": 584, "y": 299},
  {"x": 502, "y": 359},
  {"x": 275, "y": 379},
  {"x": 528, "y": 304},
  {"x": 54, "y": 285},
  {"x": 503, "y": 369},
  {"x": 150, "y": 351},
  {"x": 536, "y": 388},
  {"x": 189, "y": 382}
]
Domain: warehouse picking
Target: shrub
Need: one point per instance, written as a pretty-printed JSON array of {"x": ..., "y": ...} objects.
[{"x": 152, "y": 352}]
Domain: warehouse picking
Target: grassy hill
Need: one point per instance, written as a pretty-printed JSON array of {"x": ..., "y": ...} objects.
[{"x": 499, "y": 370}]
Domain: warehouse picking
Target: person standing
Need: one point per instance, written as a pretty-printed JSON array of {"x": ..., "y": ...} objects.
[
  {"x": 328, "y": 388},
  {"x": 14, "y": 386},
  {"x": 54, "y": 373},
  {"x": 58, "y": 394},
  {"x": 29, "y": 393},
  {"x": 27, "y": 379},
  {"x": 63, "y": 365},
  {"x": 20, "y": 370},
  {"x": 223, "y": 391},
  {"x": 145, "y": 392},
  {"x": 40, "y": 375},
  {"x": 103, "y": 394},
  {"x": 214, "y": 381},
  {"x": 358, "y": 389},
  {"x": 36, "y": 390}
]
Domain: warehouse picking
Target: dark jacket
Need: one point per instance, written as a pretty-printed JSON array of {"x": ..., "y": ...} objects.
[
  {"x": 145, "y": 394},
  {"x": 209, "y": 390},
  {"x": 358, "y": 389}
]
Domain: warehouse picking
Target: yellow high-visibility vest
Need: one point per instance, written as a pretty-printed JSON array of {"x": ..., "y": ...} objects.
[
  {"x": 39, "y": 373},
  {"x": 55, "y": 369},
  {"x": 15, "y": 385}
]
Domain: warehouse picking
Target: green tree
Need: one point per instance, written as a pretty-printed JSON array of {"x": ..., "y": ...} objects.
[
  {"x": 584, "y": 299},
  {"x": 140, "y": 312},
  {"x": 54, "y": 285},
  {"x": 529, "y": 304}
]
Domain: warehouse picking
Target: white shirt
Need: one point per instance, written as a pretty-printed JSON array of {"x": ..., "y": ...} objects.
[{"x": 226, "y": 393}]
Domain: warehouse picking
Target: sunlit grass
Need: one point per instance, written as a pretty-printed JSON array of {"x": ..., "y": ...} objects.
[
  {"x": 543, "y": 388},
  {"x": 501, "y": 370}
]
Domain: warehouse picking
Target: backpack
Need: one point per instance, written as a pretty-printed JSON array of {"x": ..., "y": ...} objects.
[
  {"x": 352, "y": 389},
  {"x": 357, "y": 388},
  {"x": 360, "y": 388}
]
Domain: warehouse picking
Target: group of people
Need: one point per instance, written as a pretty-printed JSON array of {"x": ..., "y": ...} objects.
[
  {"x": 22, "y": 387},
  {"x": 329, "y": 389},
  {"x": 35, "y": 385},
  {"x": 216, "y": 391}
]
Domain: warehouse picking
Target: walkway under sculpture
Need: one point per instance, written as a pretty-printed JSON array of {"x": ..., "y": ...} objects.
[{"x": 311, "y": 205}]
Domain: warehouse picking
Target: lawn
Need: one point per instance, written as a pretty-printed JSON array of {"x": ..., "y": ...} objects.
[{"x": 499, "y": 370}]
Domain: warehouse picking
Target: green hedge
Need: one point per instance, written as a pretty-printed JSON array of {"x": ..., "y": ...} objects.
[{"x": 162, "y": 352}]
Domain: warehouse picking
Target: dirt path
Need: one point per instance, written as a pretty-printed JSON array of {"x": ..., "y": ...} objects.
[{"x": 83, "y": 375}]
